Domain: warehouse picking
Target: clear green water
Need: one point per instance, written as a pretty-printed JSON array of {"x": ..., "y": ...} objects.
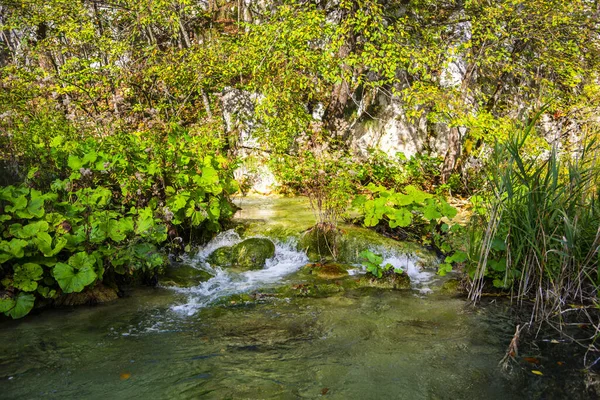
[{"x": 358, "y": 344}]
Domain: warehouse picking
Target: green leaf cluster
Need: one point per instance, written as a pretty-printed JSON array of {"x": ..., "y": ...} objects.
[{"x": 373, "y": 263}]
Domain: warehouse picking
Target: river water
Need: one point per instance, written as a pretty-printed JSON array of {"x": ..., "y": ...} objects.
[{"x": 233, "y": 337}]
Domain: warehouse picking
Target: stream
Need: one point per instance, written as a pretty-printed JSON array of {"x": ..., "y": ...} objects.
[{"x": 236, "y": 336}]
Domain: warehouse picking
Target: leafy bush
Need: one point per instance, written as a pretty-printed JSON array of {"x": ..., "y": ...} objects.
[
  {"x": 97, "y": 205},
  {"x": 412, "y": 214},
  {"x": 65, "y": 242}
]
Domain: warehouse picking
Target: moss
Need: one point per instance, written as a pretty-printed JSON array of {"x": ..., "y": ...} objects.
[
  {"x": 252, "y": 253},
  {"x": 327, "y": 271},
  {"x": 321, "y": 289},
  {"x": 391, "y": 281},
  {"x": 183, "y": 275},
  {"x": 221, "y": 257},
  {"x": 355, "y": 239},
  {"x": 450, "y": 286}
]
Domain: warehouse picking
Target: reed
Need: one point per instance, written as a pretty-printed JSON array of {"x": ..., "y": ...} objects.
[{"x": 546, "y": 211}]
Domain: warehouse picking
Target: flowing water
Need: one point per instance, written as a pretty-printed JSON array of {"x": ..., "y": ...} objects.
[{"x": 234, "y": 337}]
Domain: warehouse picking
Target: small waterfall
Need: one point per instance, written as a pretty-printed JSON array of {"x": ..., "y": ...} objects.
[
  {"x": 409, "y": 263},
  {"x": 224, "y": 283}
]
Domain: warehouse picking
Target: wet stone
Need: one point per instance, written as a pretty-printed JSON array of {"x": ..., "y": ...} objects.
[
  {"x": 183, "y": 275},
  {"x": 252, "y": 253},
  {"x": 391, "y": 281},
  {"x": 221, "y": 257},
  {"x": 327, "y": 271}
]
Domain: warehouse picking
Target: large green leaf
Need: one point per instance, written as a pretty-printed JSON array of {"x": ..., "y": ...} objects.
[
  {"x": 16, "y": 247},
  {"x": 82, "y": 259},
  {"x": 148, "y": 254},
  {"x": 145, "y": 221},
  {"x": 418, "y": 196},
  {"x": 77, "y": 274},
  {"x": 448, "y": 210},
  {"x": 74, "y": 162},
  {"x": 23, "y": 304},
  {"x": 44, "y": 243},
  {"x": 117, "y": 230},
  {"x": 29, "y": 230},
  {"x": 401, "y": 217},
  {"x": 36, "y": 204},
  {"x": 26, "y": 276},
  {"x": 179, "y": 201},
  {"x": 73, "y": 280},
  {"x": 19, "y": 203},
  {"x": 430, "y": 211},
  {"x": 6, "y": 303},
  {"x": 209, "y": 181}
]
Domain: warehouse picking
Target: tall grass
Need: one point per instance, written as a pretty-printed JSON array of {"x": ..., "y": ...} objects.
[{"x": 546, "y": 213}]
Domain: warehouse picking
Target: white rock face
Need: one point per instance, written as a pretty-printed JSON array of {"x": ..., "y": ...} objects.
[{"x": 391, "y": 132}]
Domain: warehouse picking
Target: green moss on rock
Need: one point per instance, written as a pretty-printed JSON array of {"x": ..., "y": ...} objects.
[
  {"x": 183, "y": 275},
  {"x": 451, "y": 286},
  {"x": 327, "y": 271},
  {"x": 252, "y": 253},
  {"x": 389, "y": 281},
  {"x": 221, "y": 257},
  {"x": 321, "y": 242}
]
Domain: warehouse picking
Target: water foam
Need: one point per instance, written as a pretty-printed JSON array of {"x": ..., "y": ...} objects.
[
  {"x": 287, "y": 260},
  {"x": 224, "y": 283}
]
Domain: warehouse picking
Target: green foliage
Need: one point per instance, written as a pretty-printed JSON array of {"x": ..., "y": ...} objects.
[
  {"x": 412, "y": 214},
  {"x": 372, "y": 263},
  {"x": 402, "y": 209},
  {"x": 541, "y": 225},
  {"x": 110, "y": 208}
]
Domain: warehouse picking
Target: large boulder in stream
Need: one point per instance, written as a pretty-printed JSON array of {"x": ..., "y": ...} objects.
[
  {"x": 184, "y": 275},
  {"x": 221, "y": 257},
  {"x": 249, "y": 254},
  {"x": 252, "y": 253}
]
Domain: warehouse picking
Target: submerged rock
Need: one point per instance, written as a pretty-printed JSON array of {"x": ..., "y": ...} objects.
[
  {"x": 252, "y": 253},
  {"x": 322, "y": 289},
  {"x": 184, "y": 275},
  {"x": 327, "y": 271},
  {"x": 389, "y": 281},
  {"x": 450, "y": 286},
  {"x": 96, "y": 295}
]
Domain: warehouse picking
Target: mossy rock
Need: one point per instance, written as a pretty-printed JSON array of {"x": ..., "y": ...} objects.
[
  {"x": 221, "y": 257},
  {"x": 252, "y": 253},
  {"x": 451, "y": 286},
  {"x": 321, "y": 242},
  {"x": 390, "y": 281},
  {"x": 184, "y": 275},
  {"x": 311, "y": 290},
  {"x": 355, "y": 239},
  {"x": 327, "y": 271},
  {"x": 95, "y": 295}
]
